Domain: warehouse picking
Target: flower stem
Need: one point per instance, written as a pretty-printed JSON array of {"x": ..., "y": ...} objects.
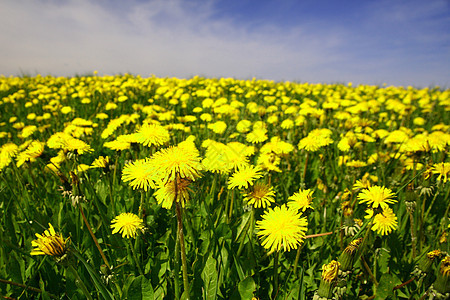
[
  {"x": 366, "y": 266},
  {"x": 318, "y": 235},
  {"x": 79, "y": 282},
  {"x": 231, "y": 205},
  {"x": 248, "y": 230},
  {"x": 275, "y": 274},
  {"x": 422, "y": 212},
  {"x": 305, "y": 167},
  {"x": 297, "y": 257},
  {"x": 136, "y": 262},
  {"x": 93, "y": 236},
  {"x": 177, "y": 267},
  {"x": 182, "y": 247},
  {"x": 413, "y": 234},
  {"x": 26, "y": 287},
  {"x": 403, "y": 284},
  {"x": 431, "y": 205},
  {"x": 137, "y": 242}
]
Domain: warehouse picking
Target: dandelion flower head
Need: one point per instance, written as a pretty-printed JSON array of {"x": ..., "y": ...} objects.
[
  {"x": 127, "y": 224},
  {"x": 152, "y": 134},
  {"x": 7, "y": 152},
  {"x": 140, "y": 174},
  {"x": 257, "y": 135},
  {"x": 269, "y": 161},
  {"x": 330, "y": 271},
  {"x": 34, "y": 150},
  {"x": 244, "y": 177},
  {"x": 376, "y": 196},
  {"x": 218, "y": 127},
  {"x": 316, "y": 139},
  {"x": 443, "y": 169},
  {"x": 167, "y": 193},
  {"x": 261, "y": 196},
  {"x": 50, "y": 243},
  {"x": 445, "y": 266},
  {"x": 281, "y": 229},
  {"x": 100, "y": 162},
  {"x": 385, "y": 222},
  {"x": 301, "y": 200},
  {"x": 183, "y": 160},
  {"x": 277, "y": 146}
]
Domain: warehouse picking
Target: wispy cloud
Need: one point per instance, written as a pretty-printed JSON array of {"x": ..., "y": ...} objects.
[{"x": 392, "y": 43}]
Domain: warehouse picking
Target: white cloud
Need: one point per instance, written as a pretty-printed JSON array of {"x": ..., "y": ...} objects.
[{"x": 182, "y": 39}]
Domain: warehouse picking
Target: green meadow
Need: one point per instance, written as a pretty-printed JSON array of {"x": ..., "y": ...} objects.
[{"x": 124, "y": 187}]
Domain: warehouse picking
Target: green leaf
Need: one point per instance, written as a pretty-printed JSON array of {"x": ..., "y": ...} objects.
[
  {"x": 383, "y": 261},
  {"x": 243, "y": 227},
  {"x": 102, "y": 190},
  {"x": 140, "y": 289},
  {"x": 316, "y": 243},
  {"x": 209, "y": 276},
  {"x": 95, "y": 277},
  {"x": 386, "y": 285},
  {"x": 246, "y": 288}
]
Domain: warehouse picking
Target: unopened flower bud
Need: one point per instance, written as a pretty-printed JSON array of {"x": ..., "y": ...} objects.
[
  {"x": 442, "y": 283},
  {"x": 347, "y": 257},
  {"x": 329, "y": 275}
]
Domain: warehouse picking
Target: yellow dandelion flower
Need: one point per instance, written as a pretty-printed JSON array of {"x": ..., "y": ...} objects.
[
  {"x": 183, "y": 160},
  {"x": 396, "y": 136},
  {"x": 34, "y": 150},
  {"x": 442, "y": 282},
  {"x": 244, "y": 177},
  {"x": 316, "y": 139},
  {"x": 433, "y": 254},
  {"x": 127, "y": 224},
  {"x": 385, "y": 222},
  {"x": 140, "y": 174},
  {"x": 167, "y": 193},
  {"x": 82, "y": 168},
  {"x": 100, "y": 162},
  {"x": 277, "y": 146},
  {"x": 353, "y": 246},
  {"x": 269, "y": 161},
  {"x": 257, "y": 135},
  {"x": 243, "y": 126},
  {"x": 281, "y": 229},
  {"x": 361, "y": 184},
  {"x": 218, "y": 127},
  {"x": 287, "y": 124},
  {"x": 330, "y": 271},
  {"x": 76, "y": 146},
  {"x": 301, "y": 200},
  {"x": 101, "y": 116},
  {"x": 50, "y": 243},
  {"x": 261, "y": 195},
  {"x": 439, "y": 141},
  {"x": 443, "y": 169},
  {"x": 152, "y": 134},
  {"x": 122, "y": 142},
  {"x": 356, "y": 164},
  {"x": 7, "y": 152},
  {"x": 345, "y": 144},
  {"x": 66, "y": 109},
  {"x": 376, "y": 196},
  {"x": 206, "y": 117},
  {"x": 445, "y": 266},
  {"x": 27, "y": 131},
  {"x": 419, "y": 121}
]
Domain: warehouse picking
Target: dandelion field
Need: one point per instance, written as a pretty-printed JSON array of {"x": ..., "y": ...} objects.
[{"x": 124, "y": 187}]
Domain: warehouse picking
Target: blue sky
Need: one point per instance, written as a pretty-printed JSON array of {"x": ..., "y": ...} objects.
[{"x": 397, "y": 42}]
